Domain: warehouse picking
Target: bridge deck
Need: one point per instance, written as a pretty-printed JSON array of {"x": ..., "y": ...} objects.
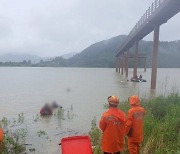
[{"x": 158, "y": 13}]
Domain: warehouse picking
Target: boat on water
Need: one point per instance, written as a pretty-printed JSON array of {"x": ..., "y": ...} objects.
[{"x": 138, "y": 80}]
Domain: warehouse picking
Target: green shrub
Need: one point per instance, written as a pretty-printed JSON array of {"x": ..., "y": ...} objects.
[{"x": 161, "y": 126}]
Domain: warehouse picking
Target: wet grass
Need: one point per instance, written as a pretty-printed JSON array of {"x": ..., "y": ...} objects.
[
  {"x": 15, "y": 132},
  {"x": 161, "y": 126},
  {"x": 14, "y": 141}
]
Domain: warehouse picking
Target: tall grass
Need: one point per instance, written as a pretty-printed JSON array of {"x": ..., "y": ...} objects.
[
  {"x": 14, "y": 141},
  {"x": 161, "y": 125}
]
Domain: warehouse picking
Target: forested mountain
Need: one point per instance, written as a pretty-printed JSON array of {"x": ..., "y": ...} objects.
[
  {"x": 102, "y": 54},
  {"x": 168, "y": 53}
]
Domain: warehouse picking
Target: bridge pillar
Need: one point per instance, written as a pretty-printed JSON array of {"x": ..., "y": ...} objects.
[
  {"x": 135, "y": 59},
  {"x": 127, "y": 62},
  {"x": 116, "y": 64},
  {"x": 119, "y": 64},
  {"x": 122, "y": 65},
  {"x": 145, "y": 65},
  {"x": 155, "y": 56}
]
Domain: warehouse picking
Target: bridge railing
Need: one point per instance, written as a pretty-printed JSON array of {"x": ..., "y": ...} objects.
[{"x": 144, "y": 19}]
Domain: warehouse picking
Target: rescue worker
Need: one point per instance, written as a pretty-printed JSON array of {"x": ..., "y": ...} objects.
[
  {"x": 1, "y": 136},
  {"x": 134, "y": 125},
  {"x": 112, "y": 124}
]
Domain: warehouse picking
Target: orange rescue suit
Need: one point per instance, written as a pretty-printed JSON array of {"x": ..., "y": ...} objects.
[
  {"x": 1, "y": 135},
  {"x": 134, "y": 128},
  {"x": 112, "y": 124}
]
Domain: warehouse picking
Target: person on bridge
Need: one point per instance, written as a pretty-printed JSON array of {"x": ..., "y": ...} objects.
[
  {"x": 112, "y": 124},
  {"x": 134, "y": 125}
]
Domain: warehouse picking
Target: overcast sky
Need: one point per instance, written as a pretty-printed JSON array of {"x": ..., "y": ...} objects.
[{"x": 56, "y": 27}]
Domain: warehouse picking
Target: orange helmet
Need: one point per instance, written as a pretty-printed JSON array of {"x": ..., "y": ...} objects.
[
  {"x": 134, "y": 100},
  {"x": 114, "y": 100},
  {"x": 1, "y": 134}
]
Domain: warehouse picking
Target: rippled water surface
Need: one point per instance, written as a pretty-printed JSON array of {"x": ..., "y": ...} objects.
[{"x": 84, "y": 89}]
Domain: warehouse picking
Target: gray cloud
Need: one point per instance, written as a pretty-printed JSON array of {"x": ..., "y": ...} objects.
[{"x": 55, "y": 27}]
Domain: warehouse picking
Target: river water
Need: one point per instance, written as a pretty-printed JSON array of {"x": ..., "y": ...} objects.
[{"x": 81, "y": 91}]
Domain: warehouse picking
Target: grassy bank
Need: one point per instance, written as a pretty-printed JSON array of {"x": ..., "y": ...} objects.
[
  {"x": 16, "y": 132},
  {"x": 161, "y": 126}
]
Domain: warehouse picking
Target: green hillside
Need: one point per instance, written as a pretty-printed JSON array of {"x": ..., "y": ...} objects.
[
  {"x": 168, "y": 54},
  {"x": 102, "y": 54}
]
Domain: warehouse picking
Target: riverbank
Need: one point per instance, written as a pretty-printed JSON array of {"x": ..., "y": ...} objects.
[
  {"x": 17, "y": 133},
  {"x": 161, "y": 126}
]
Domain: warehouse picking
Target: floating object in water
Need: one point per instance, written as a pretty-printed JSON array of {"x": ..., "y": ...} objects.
[
  {"x": 137, "y": 80},
  {"x": 54, "y": 105},
  {"x": 46, "y": 110},
  {"x": 76, "y": 144}
]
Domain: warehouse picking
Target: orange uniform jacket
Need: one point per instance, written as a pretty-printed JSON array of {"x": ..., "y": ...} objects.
[
  {"x": 134, "y": 124},
  {"x": 112, "y": 124},
  {"x": 1, "y": 134}
]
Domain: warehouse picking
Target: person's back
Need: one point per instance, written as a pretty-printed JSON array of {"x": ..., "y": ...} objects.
[
  {"x": 136, "y": 114},
  {"x": 134, "y": 125},
  {"x": 112, "y": 124}
]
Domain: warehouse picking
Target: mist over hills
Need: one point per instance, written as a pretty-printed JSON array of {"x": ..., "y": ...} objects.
[
  {"x": 102, "y": 54},
  {"x": 168, "y": 53},
  {"x": 19, "y": 57},
  {"x": 69, "y": 55}
]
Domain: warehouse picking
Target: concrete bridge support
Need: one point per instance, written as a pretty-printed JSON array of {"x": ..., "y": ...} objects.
[
  {"x": 127, "y": 62},
  {"x": 135, "y": 59},
  {"x": 144, "y": 64},
  {"x": 116, "y": 64},
  {"x": 122, "y": 65},
  {"x": 119, "y": 64},
  {"x": 155, "y": 57}
]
